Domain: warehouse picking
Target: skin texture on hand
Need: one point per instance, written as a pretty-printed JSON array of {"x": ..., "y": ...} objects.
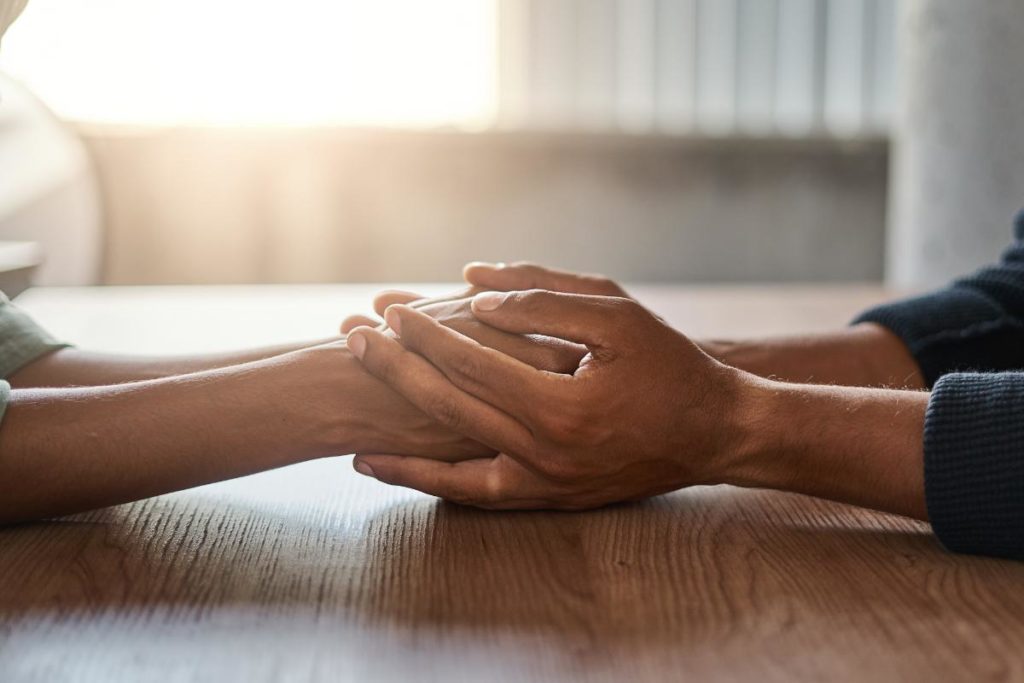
[
  {"x": 865, "y": 355},
  {"x": 637, "y": 418},
  {"x": 645, "y": 412},
  {"x": 455, "y": 312},
  {"x": 497, "y": 277}
]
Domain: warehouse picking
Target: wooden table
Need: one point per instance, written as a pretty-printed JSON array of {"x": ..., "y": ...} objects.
[{"x": 314, "y": 573}]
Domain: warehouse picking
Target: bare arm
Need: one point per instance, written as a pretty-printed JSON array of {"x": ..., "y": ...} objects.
[
  {"x": 66, "y": 450},
  {"x": 72, "y": 367},
  {"x": 865, "y": 355},
  {"x": 854, "y": 445}
]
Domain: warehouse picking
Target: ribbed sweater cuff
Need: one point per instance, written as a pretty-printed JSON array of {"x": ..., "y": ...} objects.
[{"x": 974, "y": 463}]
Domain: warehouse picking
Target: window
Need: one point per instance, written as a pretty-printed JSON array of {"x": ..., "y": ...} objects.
[{"x": 250, "y": 62}]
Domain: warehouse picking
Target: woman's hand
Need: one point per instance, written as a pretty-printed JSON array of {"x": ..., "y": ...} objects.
[
  {"x": 454, "y": 311},
  {"x": 499, "y": 277}
]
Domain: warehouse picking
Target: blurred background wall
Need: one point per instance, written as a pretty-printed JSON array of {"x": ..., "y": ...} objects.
[
  {"x": 707, "y": 140},
  {"x": 321, "y": 205}
]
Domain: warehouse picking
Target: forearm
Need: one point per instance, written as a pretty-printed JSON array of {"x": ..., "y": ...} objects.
[
  {"x": 864, "y": 355},
  {"x": 66, "y": 450},
  {"x": 72, "y": 367},
  {"x": 854, "y": 445}
]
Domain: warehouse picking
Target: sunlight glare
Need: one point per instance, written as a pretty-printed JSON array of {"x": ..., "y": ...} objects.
[{"x": 245, "y": 62}]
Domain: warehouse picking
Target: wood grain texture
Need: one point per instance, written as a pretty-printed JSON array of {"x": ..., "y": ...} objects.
[{"x": 312, "y": 573}]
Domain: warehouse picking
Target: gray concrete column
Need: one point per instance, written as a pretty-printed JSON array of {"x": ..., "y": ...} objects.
[{"x": 958, "y": 159}]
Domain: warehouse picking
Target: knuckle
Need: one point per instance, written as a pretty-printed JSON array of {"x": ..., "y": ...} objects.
[
  {"x": 446, "y": 411},
  {"x": 531, "y": 300},
  {"x": 560, "y": 470},
  {"x": 629, "y": 309},
  {"x": 530, "y": 273},
  {"x": 516, "y": 299},
  {"x": 470, "y": 368},
  {"x": 495, "y": 487},
  {"x": 566, "y": 425}
]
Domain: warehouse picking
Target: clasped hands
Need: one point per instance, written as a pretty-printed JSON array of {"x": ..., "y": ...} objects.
[{"x": 582, "y": 396}]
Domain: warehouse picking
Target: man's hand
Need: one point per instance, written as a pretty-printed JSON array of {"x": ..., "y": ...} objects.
[
  {"x": 645, "y": 412},
  {"x": 861, "y": 355}
]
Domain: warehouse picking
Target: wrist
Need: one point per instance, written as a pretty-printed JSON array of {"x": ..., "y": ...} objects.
[
  {"x": 315, "y": 392},
  {"x": 851, "y": 444},
  {"x": 750, "y": 355},
  {"x": 753, "y": 426},
  {"x": 357, "y": 413}
]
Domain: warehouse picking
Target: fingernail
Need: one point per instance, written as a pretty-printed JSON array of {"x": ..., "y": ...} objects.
[
  {"x": 488, "y": 301},
  {"x": 393, "y": 320},
  {"x": 357, "y": 345},
  {"x": 364, "y": 469}
]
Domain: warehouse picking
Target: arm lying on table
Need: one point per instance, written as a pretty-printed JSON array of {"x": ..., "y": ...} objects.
[
  {"x": 70, "y": 448},
  {"x": 646, "y": 412},
  {"x": 875, "y": 447},
  {"x": 968, "y": 340}
]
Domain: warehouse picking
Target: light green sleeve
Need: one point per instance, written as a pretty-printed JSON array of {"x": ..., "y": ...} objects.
[{"x": 21, "y": 342}]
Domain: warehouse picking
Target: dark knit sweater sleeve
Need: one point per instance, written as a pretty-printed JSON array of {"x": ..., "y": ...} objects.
[
  {"x": 968, "y": 340},
  {"x": 974, "y": 324},
  {"x": 974, "y": 463}
]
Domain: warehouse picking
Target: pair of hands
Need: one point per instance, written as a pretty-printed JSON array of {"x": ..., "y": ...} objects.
[{"x": 581, "y": 395}]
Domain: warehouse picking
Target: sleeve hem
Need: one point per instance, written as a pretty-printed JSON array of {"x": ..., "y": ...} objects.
[{"x": 974, "y": 464}]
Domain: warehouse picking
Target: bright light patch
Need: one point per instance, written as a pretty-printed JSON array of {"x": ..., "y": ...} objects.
[{"x": 417, "y": 63}]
